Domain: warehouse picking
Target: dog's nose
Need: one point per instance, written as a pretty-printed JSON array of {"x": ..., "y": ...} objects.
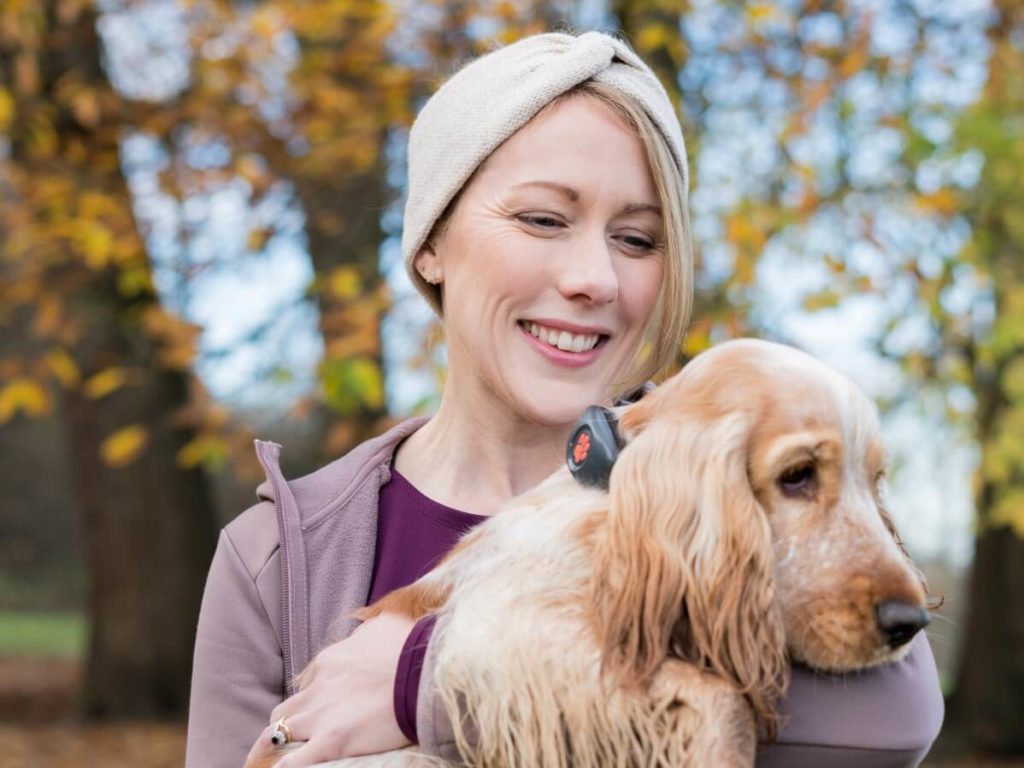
[{"x": 899, "y": 621}]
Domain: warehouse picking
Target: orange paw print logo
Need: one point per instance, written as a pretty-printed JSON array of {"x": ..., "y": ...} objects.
[{"x": 581, "y": 449}]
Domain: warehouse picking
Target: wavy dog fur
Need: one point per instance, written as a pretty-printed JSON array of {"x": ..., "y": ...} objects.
[{"x": 652, "y": 625}]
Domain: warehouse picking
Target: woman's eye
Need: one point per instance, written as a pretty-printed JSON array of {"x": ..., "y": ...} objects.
[
  {"x": 798, "y": 480},
  {"x": 638, "y": 243},
  {"x": 540, "y": 220}
]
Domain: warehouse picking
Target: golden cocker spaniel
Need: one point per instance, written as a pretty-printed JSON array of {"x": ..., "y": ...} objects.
[{"x": 651, "y": 625}]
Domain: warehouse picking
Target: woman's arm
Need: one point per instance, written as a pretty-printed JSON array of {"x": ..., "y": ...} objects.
[
  {"x": 434, "y": 732},
  {"x": 883, "y": 718},
  {"x": 238, "y": 670}
]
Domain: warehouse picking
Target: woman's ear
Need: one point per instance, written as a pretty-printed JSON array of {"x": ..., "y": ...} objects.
[
  {"x": 428, "y": 264},
  {"x": 686, "y": 564}
]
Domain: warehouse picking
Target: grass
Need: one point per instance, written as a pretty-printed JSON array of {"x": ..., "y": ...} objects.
[{"x": 42, "y": 634}]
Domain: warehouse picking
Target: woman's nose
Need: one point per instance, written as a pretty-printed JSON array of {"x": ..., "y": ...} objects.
[{"x": 589, "y": 273}]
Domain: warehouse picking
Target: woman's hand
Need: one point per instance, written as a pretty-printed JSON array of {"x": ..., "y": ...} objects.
[{"x": 345, "y": 703}]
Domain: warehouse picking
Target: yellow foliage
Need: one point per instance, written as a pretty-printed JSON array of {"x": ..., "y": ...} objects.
[
  {"x": 1009, "y": 512},
  {"x": 822, "y": 300},
  {"x": 63, "y": 367},
  {"x": 132, "y": 281},
  {"x": 103, "y": 383},
  {"x": 177, "y": 357},
  {"x": 122, "y": 447},
  {"x": 742, "y": 233},
  {"x": 942, "y": 201},
  {"x": 651, "y": 37},
  {"x": 177, "y": 336},
  {"x": 363, "y": 312},
  {"x": 853, "y": 62},
  {"x": 697, "y": 340},
  {"x": 1003, "y": 452},
  {"x": 25, "y": 395},
  {"x": 257, "y": 239},
  {"x": 761, "y": 12},
  {"x": 1012, "y": 381},
  {"x": 266, "y": 22},
  {"x": 95, "y": 242},
  {"x": 364, "y": 156},
  {"x": 815, "y": 94},
  {"x": 994, "y": 467},
  {"x": 95, "y": 205},
  {"x": 208, "y": 450},
  {"x": 86, "y": 108},
  {"x": 1013, "y": 299},
  {"x": 42, "y": 137},
  {"x": 344, "y": 283},
  {"x": 6, "y": 110},
  {"x": 251, "y": 168},
  {"x": 359, "y": 342},
  {"x": 369, "y": 384}
]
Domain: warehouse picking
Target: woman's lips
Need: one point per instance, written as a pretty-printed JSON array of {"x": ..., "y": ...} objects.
[{"x": 561, "y": 356}]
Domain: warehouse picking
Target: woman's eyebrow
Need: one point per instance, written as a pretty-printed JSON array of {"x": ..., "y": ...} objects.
[
  {"x": 641, "y": 208},
  {"x": 573, "y": 195},
  {"x": 569, "y": 192}
]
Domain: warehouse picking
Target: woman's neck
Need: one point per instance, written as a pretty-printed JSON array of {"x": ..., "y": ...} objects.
[{"x": 476, "y": 459}]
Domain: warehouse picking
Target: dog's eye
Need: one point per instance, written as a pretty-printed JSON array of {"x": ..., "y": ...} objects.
[{"x": 798, "y": 480}]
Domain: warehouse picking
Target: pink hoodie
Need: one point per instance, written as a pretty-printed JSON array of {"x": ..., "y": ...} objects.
[{"x": 289, "y": 570}]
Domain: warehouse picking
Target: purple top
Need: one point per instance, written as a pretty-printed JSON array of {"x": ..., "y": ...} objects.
[
  {"x": 888, "y": 718},
  {"x": 413, "y": 533}
]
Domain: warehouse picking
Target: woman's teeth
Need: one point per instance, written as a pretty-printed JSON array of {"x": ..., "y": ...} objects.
[{"x": 569, "y": 342}]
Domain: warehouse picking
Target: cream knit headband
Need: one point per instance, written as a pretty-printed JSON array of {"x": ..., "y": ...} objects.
[{"x": 492, "y": 97}]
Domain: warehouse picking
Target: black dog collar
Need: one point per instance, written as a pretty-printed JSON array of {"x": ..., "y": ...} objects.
[{"x": 593, "y": 447}]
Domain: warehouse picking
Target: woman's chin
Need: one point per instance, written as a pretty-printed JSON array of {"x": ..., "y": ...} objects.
[{"x": 557, "y": 404}]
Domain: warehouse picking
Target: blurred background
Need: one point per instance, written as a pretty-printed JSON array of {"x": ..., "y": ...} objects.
[{"x": 200, "y": 213}]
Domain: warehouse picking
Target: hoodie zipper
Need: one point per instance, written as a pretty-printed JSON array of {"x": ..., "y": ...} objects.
[{"x": 272, "y": 471}]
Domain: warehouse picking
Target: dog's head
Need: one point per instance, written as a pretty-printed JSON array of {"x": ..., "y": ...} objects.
[{"x": 746, "y": 516}]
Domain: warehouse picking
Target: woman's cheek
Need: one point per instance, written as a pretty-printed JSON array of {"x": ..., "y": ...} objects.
[{"x": 641, "y": 290}]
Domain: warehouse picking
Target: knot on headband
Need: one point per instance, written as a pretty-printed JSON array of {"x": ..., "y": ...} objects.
[{"x": 594, "y": 50}]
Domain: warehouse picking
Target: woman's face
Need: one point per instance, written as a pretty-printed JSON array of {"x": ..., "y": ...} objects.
[{"x": 551, "y": 266}]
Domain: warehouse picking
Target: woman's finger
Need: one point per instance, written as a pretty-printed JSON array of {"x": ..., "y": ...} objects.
[
  {"x": 263, "y": 753},
  {"x": 259, "y": 749},
  {"x": 298, "y": 704},
  {"x": 330, "y": 746},
  {"x": 302, "y": 726}
]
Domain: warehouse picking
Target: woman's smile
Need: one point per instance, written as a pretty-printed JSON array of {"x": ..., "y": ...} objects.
[{"x": 563, "y": 343}]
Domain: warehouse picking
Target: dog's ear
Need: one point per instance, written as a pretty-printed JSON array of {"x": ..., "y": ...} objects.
[{"x": 686, "y": 565}]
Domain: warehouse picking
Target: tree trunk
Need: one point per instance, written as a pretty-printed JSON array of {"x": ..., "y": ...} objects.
[
  {"x": 359, "y": 201},
  {"x": 148, "y": 528},
  {"x": 989, "y": 700}
]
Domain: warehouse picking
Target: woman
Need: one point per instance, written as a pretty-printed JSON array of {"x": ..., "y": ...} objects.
[{"x": 546, "y": 223}]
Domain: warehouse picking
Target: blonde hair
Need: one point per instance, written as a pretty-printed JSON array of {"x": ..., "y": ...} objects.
[{"x": 665, "y": 330}]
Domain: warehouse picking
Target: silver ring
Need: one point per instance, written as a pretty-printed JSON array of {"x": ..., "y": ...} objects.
[{"x": 280, "y": 734}]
